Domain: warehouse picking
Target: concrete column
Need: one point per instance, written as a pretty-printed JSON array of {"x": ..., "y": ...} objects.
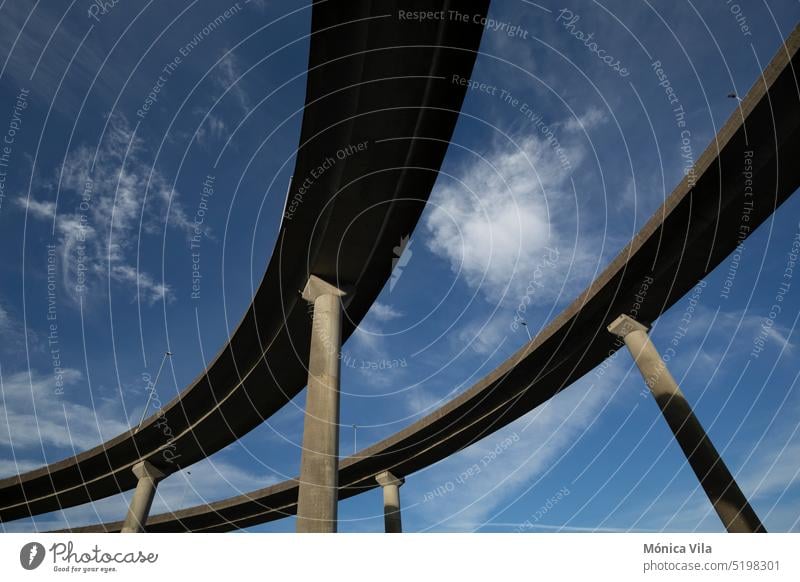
[
  {"x": 391, "y": 501},
  {"x": 319, "y": 466},
  {"x": 728, "y": 500},
  {"x": 139, "y": 509}
]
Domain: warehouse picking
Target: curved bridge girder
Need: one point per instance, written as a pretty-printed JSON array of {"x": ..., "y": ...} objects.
[
  {"x": 694, "y": 231},
  {"x": 372, "y": 77}
]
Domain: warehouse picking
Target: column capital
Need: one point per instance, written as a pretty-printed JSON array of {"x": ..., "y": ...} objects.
[
  {"x": 386, "y": 478},
  {"x": 316, "y": 287},
  {"x": 624, "y": 324},
  {"x": 145, "y": 469}
]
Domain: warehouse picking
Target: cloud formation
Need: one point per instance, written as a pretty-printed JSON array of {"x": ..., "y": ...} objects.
[
  {"x": 512, "y": 207},
  {"x": 104, "y": 195},
  {"x": 34, "y": 416}
]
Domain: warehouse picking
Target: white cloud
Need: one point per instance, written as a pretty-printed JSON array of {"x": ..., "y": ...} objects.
[
  {"x": 229, "y": 78},
  {"x": 508, "y": 226},
  {"x": 485, "y": 336},
  {"x": 13, "y": 334},
  {"x": 511, "y": 211},
  {"x": 770, "y": 471},
  {"x": 153, "y": 291},
  {"x": 731, "y": 336},
  {"x": 367, "y": 351},
  {"x": 205, "y": 482},
  {"x": 537, "y": 441},
  {"x": 590, "y": 119},
  {"x": 15, "y": 466},
  {"x": 28, "y": 30},
  {"x": 421, "y": 401},
  {"x": 213, "y": 127},
  {"x": 367, "y": 341},
  {"x": 383, "y": 312},
  {"x": 778, "y": 469},
  {"x": 43, "y": 210},
  {"x": 33, "y": 415},
  {"x": 704, "y": 348},
  {"x": 769, "y": 478},
  {"x": 260, "y": 4},
  {"x": 6, "y": 323},
  {"x": 101, "y": 204}
]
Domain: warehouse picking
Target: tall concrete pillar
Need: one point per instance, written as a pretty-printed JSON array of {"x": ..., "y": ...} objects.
[
  {"x": 319, "y": 465},
  {"x": 728, "y": 500},
  {"x": 139, "y": 509},
  {"x": 391, "y": 501}
]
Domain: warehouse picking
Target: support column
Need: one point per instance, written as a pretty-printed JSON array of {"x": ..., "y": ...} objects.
[
  {"x": 319, "y": 466},
  {"x": 728, "y": 500},
  {"x": 391, "y": 501},
  {"x": 139, "y": 509}
]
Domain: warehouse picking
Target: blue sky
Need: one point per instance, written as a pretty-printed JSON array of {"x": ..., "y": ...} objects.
[{"x": 556, "y": 162}]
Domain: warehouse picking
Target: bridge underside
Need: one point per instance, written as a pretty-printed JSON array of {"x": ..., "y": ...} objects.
[
  {"x": 379, "y": 97},
  {"x": 698, "y": 226}
]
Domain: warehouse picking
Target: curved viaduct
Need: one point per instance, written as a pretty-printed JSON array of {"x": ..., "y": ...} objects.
[
  {"x": 696, "y": 228},
  {"x": 372, "y": 77}
]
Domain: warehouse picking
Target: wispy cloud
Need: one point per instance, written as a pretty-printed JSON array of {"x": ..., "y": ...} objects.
[
  {"x": 592, "y": 118},
  {"x": 383, "y": 312},
  {"x": 509, "y": 210},
  {"x": 508, "y": 226},
  {"x": 26, "y": 27},
  {"x": 367, "y": 350},
  {"x": 205, "y": 482},
  {"x": 260, "y": 4},
  {"x": 13, "y": 332},
  {"x": 229, "y": 78},
  {"x": 15, "y": 466},
  {"x": 214, "y": 128},
  {"x": 102, "y": 200},
  {"x": 5, "y": 320},
  {"x": 511, "y": 459},
  {"x": 33, "y": 415},
  {"x": 39, "y": 209},
  {"x": 483, "y": 336},
  {"x": 729, "y": 336},
  {"x": 420, "y": 401}
]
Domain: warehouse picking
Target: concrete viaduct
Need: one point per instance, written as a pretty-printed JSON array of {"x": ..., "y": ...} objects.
[
  {"x": 696, "y": 228},
  {"x": 375, "y": 81}
]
